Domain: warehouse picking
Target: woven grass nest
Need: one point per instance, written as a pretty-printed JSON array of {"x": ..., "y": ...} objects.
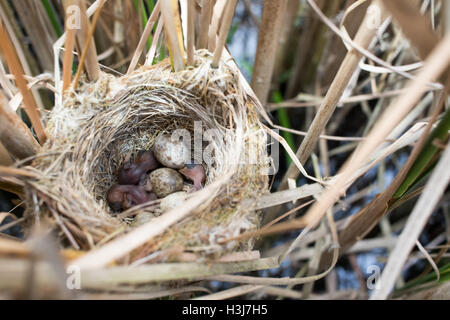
[{"x": 98, "y": 126}]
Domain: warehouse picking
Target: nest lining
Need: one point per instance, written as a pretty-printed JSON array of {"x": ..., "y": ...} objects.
[{"x": 102, "y": 123}]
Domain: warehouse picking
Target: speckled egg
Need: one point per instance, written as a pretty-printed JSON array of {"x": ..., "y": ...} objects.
[
  {"x": 142, "y": 218},
  {"x": 166, "y": 181},
  {"x": 171, "y": 153},
  {"x": 173, "y": 200}
]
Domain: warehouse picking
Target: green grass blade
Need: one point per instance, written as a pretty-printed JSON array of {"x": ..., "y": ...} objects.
[
  {"x": 426, "y": 155},
  {"x": 445, "y": 276},
  {"x": 283, "y": 118},
  {"x": 140, "y": 6},
  {"x": 52, "y": 17}
]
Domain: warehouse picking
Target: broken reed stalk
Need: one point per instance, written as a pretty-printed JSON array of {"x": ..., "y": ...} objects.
[
  {"x": 178, "y": 27},
  {"x": 225, "y": 27},
  {"x": 9, "y": 171},
  {"x": 14, "y": 134},
  {"x": 69, "y": 47},
  {"x": 268, "y": 39},
  {"x": 363, "y": 38},
  {"x": 87, "y": 49},
  {"x": 215, "y": 22},
  {"x": 141, "y": 45},
  {"x": 68, "y": 57},
  {"x": 190, "y": 32},
  {"x": 167, "y": 13},
  {"x": 91, "y": 63},
  {"x": 205, "y": 19},
  {"x": 16, "y": 69}
]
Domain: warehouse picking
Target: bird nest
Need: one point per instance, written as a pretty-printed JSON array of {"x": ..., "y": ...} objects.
[{"x": 101, "y": 124}]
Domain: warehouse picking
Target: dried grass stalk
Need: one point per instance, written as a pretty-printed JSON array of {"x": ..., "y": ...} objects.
[
  {"x": 268, "y": 38},
  {"x": 16, "y": 69},
  {"x": 14, "y": 134},
  {"x": 91, "y": 63}
]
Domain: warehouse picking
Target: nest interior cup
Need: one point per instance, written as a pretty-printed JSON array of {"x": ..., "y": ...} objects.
[{"x": 101, "y": 124}]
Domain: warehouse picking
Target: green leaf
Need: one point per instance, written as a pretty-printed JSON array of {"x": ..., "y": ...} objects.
[
  {"x": 140, "y": 6},
  {"x": 234, "y": 27},
  {"x": 445, "y": 276},
  {"x": 426, "y": 156},
  {"x": 53, "y": 17},
  {"x": 283, "y": 118}
]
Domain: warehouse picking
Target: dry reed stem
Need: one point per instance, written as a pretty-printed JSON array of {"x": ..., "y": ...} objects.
[
  {"x": 179, "y": 28},
  {"x": 19, "y": 43},
  {"x": 265, "y": 229},
  {"x": 190, "y": 32},
  {"x": 286, "y": 41},
  {"x": 223, "y": 33},
  {"x": 325, "y": 136},
  {"x": 89, "y": 49},
  {"x": 215, "y": 22},
  {"x": 91, "y": 63},
  {"x": 267, "y": 280},
  {"x": 13, "y": 270},
  {"x": 281, "y": 292},
  {"x": 9, "y": 171},
  {"x": 60, "y": 42},
  {"x": 152, "y": 51},
  {"x": 8, "y": 247},
  {"x": 429, "y": 258},
  {"x": 433, "y": 191},
  {"x": 205, "y": 19},
  {"x": 144, "y": 295},
  {"x": 363, "y": 38},
  {"x": 306, "y": 37},
  {"x": 268, "y": 39},
  {"x": 68, "y": 58},
  {"x": 16, "y": 68},
  {"x": 167, "y": 13},
  {"x": 141, "y": 45},
  {"x": 295, "y": 103},
  {"x": 14, "y": 134},
  {"x": 230, "y": 293},
  {"x": 289, "y": 195}
]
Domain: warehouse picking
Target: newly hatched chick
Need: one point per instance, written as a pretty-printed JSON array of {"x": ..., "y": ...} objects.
[
  {"x": 195, "y": 173},
  {"x": 131, "y": 172},
  {"x": 146, "y": 183},
  {"x": 127, "y": 196}
]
